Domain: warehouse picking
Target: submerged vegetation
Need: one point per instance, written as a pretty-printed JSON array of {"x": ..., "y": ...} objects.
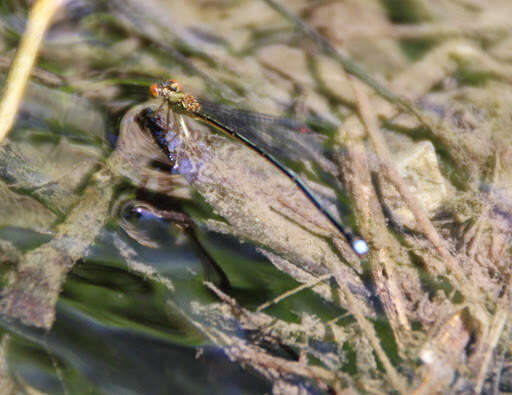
[{"x": 124, "y": 270}]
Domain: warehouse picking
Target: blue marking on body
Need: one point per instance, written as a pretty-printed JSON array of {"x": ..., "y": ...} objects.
[{"x": 360, "y": 247}]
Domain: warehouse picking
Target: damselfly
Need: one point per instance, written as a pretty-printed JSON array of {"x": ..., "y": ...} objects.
[{"x": 180, "y": 103}]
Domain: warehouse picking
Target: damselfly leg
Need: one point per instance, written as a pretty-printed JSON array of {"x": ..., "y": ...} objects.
[{"x": 165, "y": 90}]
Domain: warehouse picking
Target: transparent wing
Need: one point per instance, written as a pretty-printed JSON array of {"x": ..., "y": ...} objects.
[{"x": 285, "y": 138}]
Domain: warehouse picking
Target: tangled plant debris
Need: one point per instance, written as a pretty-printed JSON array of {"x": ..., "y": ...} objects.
[{"x": 412, "y": 100}]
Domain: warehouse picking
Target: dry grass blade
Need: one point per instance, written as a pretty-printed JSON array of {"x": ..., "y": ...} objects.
[
  {"x": 293, "y": 291},
  {"x": 39, "y": 19}
]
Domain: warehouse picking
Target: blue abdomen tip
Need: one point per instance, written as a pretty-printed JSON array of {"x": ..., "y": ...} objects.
[{"x": 360, "y": 247}]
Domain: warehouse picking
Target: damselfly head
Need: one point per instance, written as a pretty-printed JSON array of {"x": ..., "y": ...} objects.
[{"x": 168, "y": 86}]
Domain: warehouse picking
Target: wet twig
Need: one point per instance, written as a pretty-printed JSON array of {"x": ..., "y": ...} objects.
[{"x": 348, "y": 64}]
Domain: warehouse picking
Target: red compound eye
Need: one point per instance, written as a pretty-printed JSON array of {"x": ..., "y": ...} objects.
[
  {"x": 174, "y": 85},
  {"x": 154, "y": 90}
]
